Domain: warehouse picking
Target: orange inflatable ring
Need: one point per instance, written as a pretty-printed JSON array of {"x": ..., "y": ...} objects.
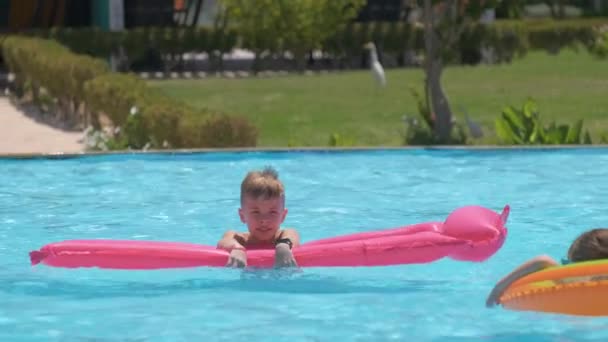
[{"x": 574, "y": 289}]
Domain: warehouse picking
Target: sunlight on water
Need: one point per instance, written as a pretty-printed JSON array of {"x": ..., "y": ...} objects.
[{"x": 554, "y": 196}]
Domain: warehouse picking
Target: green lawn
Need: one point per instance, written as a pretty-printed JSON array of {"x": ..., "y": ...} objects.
[{"x": 306, "y": 110}]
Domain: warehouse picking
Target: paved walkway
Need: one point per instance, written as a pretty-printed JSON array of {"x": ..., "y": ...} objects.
[{"x": 20, "y": 134}]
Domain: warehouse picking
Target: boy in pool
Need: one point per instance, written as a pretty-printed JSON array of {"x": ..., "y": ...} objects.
[
  {"x": 262, "y": 210},
  {"x": 590, "y": 245}
]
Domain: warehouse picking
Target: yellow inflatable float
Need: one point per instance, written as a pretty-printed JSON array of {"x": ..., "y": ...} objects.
[{"x": 576, "y": 289}]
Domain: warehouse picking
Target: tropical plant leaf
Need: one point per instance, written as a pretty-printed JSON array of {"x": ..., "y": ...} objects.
[
  {"x": 538, "y": 135},
  {"x": 563, "y": 133},
  {"x": 574, "y": 133},
  {"x": 587, "y": 139},
  {"x": 515, "y": 121},
  {"x": 505, "y": 133},
  {"x": 530, "y": 109}
]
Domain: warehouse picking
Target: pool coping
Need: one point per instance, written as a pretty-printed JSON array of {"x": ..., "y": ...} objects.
[{"x": 329, "y": 149}]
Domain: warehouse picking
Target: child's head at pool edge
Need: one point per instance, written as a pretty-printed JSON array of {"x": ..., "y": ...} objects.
[
  {"x": 590, "y": 245},
  {"x": 262, "y": 203}
]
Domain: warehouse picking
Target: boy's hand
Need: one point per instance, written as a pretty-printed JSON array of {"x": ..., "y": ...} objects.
[
  {"x": 494, "y": 296},
  {"x": 238, "y": 258},
  {"x": 283, "y": 256}
]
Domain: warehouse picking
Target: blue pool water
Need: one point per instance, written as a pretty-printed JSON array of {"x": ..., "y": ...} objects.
[{"x": 554, "y": 196}]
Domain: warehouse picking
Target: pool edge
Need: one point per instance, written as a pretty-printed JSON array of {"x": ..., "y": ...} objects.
[{"x": 68, "y": 155}]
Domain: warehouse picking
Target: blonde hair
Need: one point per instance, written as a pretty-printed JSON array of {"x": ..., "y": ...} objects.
[
  {"x": 591, "y": 245},
  {"x": 262, "y": 184}
]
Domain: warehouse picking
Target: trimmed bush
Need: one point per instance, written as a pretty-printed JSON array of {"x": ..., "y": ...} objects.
[
  {"x": 225, "y": 131},
  {"x": 40, "y": 64},
  {"x": 114, "y": 94},
  {"x": 158, "y": 120},
  {"x": 599, "y": 47},
  {"x": 139, "y": 116}
]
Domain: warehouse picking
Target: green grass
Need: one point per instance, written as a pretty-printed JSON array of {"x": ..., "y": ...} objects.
[{"x": 306, "y": 110}]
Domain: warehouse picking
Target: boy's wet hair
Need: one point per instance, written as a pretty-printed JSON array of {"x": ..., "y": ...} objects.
[
  {"x": 591, "y": 245},
  {"x": 263, "y": 184}
]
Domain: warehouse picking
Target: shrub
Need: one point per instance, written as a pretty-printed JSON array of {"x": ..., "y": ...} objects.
[
  {"x": 147, "y": 117},
  {"x": 599, "y": 47},
  {"x": 337, "y": 139},
  {"x": 524, "y": 126},
  {"x": 420, "y": 132},
  {"x": 140, "y": 116},
  {"x": 226, "y": 131}
]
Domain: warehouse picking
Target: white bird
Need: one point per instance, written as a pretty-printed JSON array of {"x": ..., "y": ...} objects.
[{"x": 375, "y": 66}]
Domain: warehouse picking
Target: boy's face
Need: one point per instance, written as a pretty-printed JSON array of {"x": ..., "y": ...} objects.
[{"x": 263, "y": 217}]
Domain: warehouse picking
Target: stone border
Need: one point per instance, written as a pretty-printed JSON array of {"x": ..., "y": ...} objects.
[
  {"x": 239, "y": 74},
  {"x": 28, "y": 156},
  {"x": 7, "y": 78}
]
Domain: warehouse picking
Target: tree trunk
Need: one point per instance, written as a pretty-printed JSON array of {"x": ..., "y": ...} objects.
[
  {"x": 549, "y": 3},
  {"x": 439, "y": 102},
  {"x": 35, "y": 93},
  {"x": 256, "y": 66},
  {"x": 439, "y": 106},
  {"x": 597, "y": 5},
  {"x": 562, "y": 9},
  {"x": 63, "y": 112},
  {"x": 197, "y": 13},
  {"x": 300, "y": 59},
  {"x": 557, "y": 8}
]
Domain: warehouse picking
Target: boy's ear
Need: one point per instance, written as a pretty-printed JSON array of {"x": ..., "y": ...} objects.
[
  {"x": 241, "y": 215},
  {"x": 284, "y": 215}
]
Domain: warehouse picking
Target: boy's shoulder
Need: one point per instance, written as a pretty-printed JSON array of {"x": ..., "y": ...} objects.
[
  {"x": 240, "y": 237},
  {"x": 285, "y": 230},
  {"x": 290, "y": 232}
]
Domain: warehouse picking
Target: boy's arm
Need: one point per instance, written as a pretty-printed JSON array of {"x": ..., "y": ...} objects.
[
  {"x": 531, "y": 266},
  {"x": 283, "y": 256},
  {"x": 292, "y": 235},
  {"x": 229, "y": 241}
]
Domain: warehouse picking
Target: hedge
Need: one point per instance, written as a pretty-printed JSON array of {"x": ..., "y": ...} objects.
[
  {"x": 87, "y": 92},
  {"x": 508, "y": 38}
]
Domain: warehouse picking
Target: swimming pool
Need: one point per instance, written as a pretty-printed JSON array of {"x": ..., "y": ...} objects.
[{"x": 554, "y": 195}]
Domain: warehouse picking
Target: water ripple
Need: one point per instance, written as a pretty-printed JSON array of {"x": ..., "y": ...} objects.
[{"x": 554, "y": 196}]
